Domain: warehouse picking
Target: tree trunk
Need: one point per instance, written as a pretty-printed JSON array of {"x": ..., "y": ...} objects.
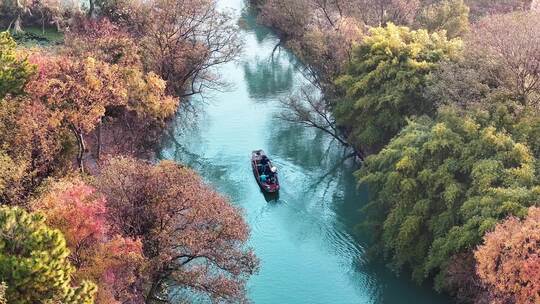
[
  {"x": 42, "y": 23},
  {"x": 82, "y": 147},
  {"x": 98, "y": 153},
  {"x": 91, "y": 9},
  {"x": 17, "y": 27}
]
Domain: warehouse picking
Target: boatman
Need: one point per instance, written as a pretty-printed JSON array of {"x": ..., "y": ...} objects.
[
  {"x": 263, "y": 178},
  {"x": 265, "y": 164}
]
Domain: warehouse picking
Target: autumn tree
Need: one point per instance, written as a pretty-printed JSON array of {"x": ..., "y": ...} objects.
[
  {"x": 11, "y": 177},
  {"x": 184, "y": 40},
  {"x": 461, "y": 280},
  {"x": 481, "y": 8},
  {"x": 34, "y": 147},
  {"x": 125, "y": 13},
  {"x": 289, "y": 18},
  {"x": 77, "y": 91},
  {"x": 326, "y": 46},
  {"x": 535, "y": 6},
  {"x": 101, "y": 39},
  {"x": 105, "y": 41},
  {"x": 440, "y": 185},
  {"x": 500, "y": 58},
  {"x": 384, "y": 82},
  {"x": 512, "y": 43},
  {"x": 50, "y": 12},
  {"x": 98, "y": 253},
  {"x": 194, "y": 237},
  {"x": 15, "y": 68},
  {"x": 34, "y": 263},
  {"x": 321, "y": 33},
  {"x": 148, "y": 105},
  {"x": 509, "y": 260},
  {"x": 380, "y": 13}
]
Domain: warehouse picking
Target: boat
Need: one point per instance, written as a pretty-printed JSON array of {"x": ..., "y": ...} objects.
[{"x": 262, "y": 166}]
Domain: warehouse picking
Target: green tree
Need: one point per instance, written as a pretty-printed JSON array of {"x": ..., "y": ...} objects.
[
  {"x": 34, "y": 261},
  {"x": 14, "y": 71},
  {"x": 385, "y": 81},
  {"x": 451, "y": 16},
  {"x": 440, "y": 185}
]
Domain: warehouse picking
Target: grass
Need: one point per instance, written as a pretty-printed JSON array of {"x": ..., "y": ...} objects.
[{"x": 34, "y": 36}]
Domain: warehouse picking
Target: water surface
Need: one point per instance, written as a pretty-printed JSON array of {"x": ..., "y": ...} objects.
[{"x": 305, "y": 238}]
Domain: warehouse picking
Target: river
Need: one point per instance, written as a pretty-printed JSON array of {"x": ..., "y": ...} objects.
[{"x": 305, "y": 239}]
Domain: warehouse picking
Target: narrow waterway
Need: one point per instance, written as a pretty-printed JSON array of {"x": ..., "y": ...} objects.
[{"x": 305, "y": 238}]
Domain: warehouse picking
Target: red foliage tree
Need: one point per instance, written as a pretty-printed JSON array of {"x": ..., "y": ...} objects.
[
  {"x": 193, "y": 236},
  {"x": 98, "y": 253},
  {"x": 509, "y": 261}
]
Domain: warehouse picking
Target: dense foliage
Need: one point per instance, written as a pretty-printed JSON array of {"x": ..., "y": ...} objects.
[
  {"x": 386, "y": 76},
  {"x": 98, "y": 252},
  {"x": 509, "y": 260},
  {"x": 15, "y": 70},
  {"x": 191, "y": 234},
  {"x": 501, "y": 58},
  {"x": 34, "y": 261},
  {"x": 442, "y": 184},
  {"x": 451, "y": 16}
]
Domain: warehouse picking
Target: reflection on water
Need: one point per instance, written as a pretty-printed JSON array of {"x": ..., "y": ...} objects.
[
  {"x": 265, "y": 78},
  {"x": 248, "y": 22},
  {"x": 305, "y": 236}
]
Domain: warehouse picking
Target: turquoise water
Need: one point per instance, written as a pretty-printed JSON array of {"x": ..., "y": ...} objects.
[{"x": 305, "y": 238}]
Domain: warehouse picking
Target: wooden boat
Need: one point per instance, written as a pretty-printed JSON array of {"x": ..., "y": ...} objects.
[{"x": 262, "y": 166}]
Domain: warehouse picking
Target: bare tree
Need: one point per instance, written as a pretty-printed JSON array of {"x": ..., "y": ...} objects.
[
  {"x": 512, "y": 43},
  {"x": 309, "y": 108},
  {"x": 184, "y": 40}
]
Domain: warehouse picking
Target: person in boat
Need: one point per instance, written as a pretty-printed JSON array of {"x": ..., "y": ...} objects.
[
  {"x": 272, "y": 175},
  {"x": 263, "y": 178},
  {"x": 265, "y": 162}
]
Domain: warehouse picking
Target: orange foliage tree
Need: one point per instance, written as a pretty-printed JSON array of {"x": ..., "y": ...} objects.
[
  {"x": 97, "y": 251},
  {"x": 509, "y": 261},
  {"x": 147, "y": 106},
  {"x": 33, "y": 147},
  {"x": 77, "y": 92},
  {"x": 194, "y": 237}
]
